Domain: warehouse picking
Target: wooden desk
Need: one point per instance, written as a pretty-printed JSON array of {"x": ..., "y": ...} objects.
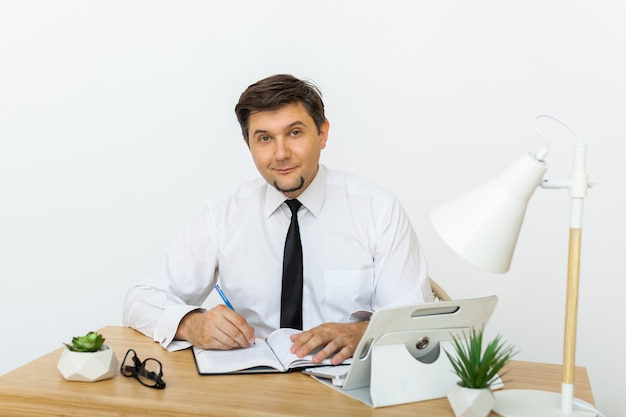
[{"x": 38, "y": 389}]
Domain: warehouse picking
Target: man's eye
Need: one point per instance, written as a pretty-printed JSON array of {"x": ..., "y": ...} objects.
[
  {"x": 296, "y": 132},
  {"x": 264, "y": 138}
]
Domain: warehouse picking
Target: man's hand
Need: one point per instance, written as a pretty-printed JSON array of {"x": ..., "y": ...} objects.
[
  {"x": 333, "y": 338},
  {"x": 218, "y": 328}
]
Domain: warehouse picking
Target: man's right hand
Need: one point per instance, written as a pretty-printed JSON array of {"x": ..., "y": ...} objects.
[{"x": 218, "y": 328}]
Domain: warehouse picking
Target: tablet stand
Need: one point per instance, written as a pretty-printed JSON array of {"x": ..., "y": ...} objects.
[{"x": 401, "y": 356}]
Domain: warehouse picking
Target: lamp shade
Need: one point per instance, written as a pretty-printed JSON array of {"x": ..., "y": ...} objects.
[{"x": 482, "y": 225}]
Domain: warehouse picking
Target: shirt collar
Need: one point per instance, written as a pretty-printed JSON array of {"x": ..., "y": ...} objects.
[{"x": 312, "y": 198}]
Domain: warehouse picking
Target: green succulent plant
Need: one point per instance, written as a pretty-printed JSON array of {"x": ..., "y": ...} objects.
[
  {"x": 91, "y": 342},
  {"x": 478, "y": 368}
]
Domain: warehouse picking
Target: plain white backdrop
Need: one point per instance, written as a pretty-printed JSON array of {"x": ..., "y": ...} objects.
[{"x": 117, "y": 125}]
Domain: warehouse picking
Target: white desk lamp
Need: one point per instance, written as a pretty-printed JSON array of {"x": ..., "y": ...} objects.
[{"x": 483, "y": 225}]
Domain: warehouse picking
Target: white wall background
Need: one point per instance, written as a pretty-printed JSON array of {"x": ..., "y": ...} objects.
[{"x": 117, "y": 124}]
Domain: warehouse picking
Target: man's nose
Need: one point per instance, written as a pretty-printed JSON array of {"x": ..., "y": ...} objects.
[{"x": 282, "y": 149}]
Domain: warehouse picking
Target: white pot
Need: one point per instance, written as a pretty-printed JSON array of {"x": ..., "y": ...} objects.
[
  {"x": 471, "y": 402},
  {"x": 88, "y": 366}
]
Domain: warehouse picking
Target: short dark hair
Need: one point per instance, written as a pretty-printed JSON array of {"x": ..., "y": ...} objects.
[{"x": 276, "y": 91}]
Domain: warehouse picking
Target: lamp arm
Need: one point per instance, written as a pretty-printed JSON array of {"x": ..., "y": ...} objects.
[{"x": 556, "y": 184}]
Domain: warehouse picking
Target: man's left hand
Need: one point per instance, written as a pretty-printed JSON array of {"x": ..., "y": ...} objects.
[{"x": 340, "y": 339}]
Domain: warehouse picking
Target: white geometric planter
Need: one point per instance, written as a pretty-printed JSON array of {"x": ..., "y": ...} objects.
[
  {"x": 471, "y": 402},
  {"x": 88, "y": 366}
]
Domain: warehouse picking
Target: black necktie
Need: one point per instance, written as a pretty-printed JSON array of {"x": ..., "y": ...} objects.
[{"x": 291, "y": 295}]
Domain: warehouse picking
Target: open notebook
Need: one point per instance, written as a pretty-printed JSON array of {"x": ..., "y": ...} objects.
[{"x": 266, "y": 355}]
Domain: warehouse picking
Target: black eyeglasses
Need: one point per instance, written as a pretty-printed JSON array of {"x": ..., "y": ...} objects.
[{"x": 148, "y": 372}]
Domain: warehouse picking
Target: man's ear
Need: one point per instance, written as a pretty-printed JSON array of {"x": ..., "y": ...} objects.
[{"x": 324, "y": 133}]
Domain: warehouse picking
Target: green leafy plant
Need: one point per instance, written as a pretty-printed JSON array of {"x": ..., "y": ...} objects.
[
  {"x": 478, "y": 368},
  {"x": 91, "y": 342}
]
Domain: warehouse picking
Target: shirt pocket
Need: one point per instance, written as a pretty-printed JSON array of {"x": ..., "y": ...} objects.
[{"x": 347, "y": 291}]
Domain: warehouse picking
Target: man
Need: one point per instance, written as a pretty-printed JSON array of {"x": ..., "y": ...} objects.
[{"x": 359, "y": 250}]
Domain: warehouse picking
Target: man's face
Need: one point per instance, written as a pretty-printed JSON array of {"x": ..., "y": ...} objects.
[{"x": 286, "y": 147}]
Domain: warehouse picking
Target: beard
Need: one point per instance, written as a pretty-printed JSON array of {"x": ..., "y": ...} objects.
[{"x": 289, "y": 190}]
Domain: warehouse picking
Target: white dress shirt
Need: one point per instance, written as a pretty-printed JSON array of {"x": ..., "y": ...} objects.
[{"x": 360, "y": 253}]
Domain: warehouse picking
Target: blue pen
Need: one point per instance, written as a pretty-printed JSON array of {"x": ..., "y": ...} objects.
[{"x": 224, "y": 298}]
